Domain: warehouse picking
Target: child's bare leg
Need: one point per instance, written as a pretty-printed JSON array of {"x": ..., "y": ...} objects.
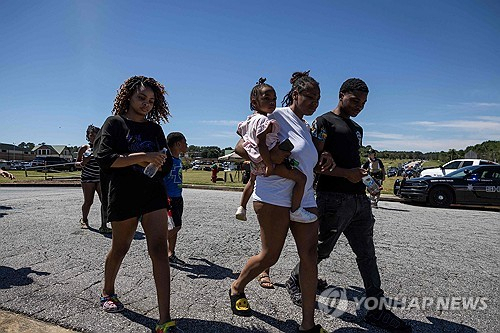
[
  {"x": 300, "y": 182},
  {"x": 247, "y": 192}
]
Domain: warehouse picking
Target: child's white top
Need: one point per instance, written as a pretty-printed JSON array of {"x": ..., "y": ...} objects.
[
  {"x": 276, "y": 190},
  {"x": 251, "y": 128}
]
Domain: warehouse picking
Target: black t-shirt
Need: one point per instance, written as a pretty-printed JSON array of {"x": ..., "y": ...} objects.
[
  {"x": 342, "y": 138},
  {"x": 131, "y": 192}
]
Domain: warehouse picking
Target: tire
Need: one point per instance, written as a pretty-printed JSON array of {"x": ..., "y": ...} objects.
[{"x": 441, "y": 197}]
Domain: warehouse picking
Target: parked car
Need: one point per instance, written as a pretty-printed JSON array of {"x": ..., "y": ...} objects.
[
  {"x": 392, "y": 171},
  {"x": 472, "y": 185},
  {"x": 451, "y": 166},
  {"x": 196, "y": 167},
  {"x": 52, "y": 163}
]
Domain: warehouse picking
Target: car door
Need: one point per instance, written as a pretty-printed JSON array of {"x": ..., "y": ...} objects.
[{"x": 483, "y": 187}]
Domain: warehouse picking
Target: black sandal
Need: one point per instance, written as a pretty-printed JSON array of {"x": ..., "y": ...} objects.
[
  {"x": 265, "y": 281},
  {"x": 239, "y": 305},
  {"x": 315, "y": 329}
]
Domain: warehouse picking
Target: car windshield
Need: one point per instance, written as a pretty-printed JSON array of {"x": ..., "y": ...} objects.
[{"x": 460, "y": 172}]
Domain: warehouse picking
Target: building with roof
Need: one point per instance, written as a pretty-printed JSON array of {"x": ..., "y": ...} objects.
[
  {"x": 11, "y": 152},
  {"x": 53, "y": 150}
]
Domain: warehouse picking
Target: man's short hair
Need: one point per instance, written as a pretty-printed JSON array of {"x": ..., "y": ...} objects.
[
  {"x": 353, "y": 84},
  {"x": 174, "y": 137}
]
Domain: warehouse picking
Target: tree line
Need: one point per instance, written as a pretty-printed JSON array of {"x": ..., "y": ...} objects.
[{"x": 488, "y": 150}]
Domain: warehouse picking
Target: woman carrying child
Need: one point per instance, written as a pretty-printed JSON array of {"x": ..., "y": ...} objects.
[
  {"x": 260, "y": 134},
  {"x": 273, "y": 199},
  {"x": 129, "y": 141}
]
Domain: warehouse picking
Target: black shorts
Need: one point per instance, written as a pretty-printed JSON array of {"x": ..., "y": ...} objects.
[
  {"x": 177, "y": 207},
  {"x": 133, "y": 199}
]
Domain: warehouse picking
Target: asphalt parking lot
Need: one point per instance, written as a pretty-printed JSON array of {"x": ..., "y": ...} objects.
[{"x": 439, "y": 268}]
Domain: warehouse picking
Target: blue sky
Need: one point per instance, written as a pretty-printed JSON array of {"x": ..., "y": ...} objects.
[{"x": 432, "y": 66}]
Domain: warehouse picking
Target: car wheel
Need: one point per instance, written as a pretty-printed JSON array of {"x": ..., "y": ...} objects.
[{"x": 440, "y": 197}]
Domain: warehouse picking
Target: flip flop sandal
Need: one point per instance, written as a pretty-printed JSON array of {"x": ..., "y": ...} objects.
[
  {"x": 83, "y": 224},
  {"x": 265, "y": 281},
  {"x": 239, "y": 305},
  {"x": 315, "y": 329}
]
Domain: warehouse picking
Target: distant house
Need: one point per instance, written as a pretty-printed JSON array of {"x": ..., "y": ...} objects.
[
  {"x": 471, "y": 154},
  {"x": 53, "y": 150},
  {"x": 11, "y": 152}
]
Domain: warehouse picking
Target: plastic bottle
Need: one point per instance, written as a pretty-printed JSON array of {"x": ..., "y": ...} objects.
[
  {"x": 170, "y": 220},
  {"x": 87, "y": 153},
  {"x": 371, "y": 184},
  {"x": 151, "y": 169}
]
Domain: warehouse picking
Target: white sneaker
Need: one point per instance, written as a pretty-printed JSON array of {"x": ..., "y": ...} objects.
[
  {"x": 241, "y": 213},
  {"x": 302, "y": 215}
]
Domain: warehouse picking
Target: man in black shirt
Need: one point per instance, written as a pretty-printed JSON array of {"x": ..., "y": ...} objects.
[{"x": 342, "y": 203}]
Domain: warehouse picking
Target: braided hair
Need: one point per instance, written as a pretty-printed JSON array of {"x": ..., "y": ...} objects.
[
  {"x": 353, "y": 84},
  {"x": 91, "y": 129},
  {"x": 258, "y": 86},
  {"x": 299, "y": 81},
  {"x": 160, "y": 110}
]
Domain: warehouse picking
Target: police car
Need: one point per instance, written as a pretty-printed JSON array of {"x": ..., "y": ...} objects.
[{"x": 472, "y": 185}]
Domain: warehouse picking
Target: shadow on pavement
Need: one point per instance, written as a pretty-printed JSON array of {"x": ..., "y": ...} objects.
[
  {"x": 393, "y": 209},
  {"x": 138, "y": 235},
  {"x": 207, "y": 326},
  {"x": 354, "y": 293},
  {"x": 2, "y": 214},
  {"x": 16, "y": 277},
  {"x": 206, "y": 270}
]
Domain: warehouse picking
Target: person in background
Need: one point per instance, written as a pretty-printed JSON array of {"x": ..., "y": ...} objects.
[
  {"x": 6, "y": 174},
  {"x": 90, "y": 180},
  {"x": 215, "y": 169},
  {"x": 343, "y": 205},
  {"x": 376, "y": 169},
  {"x": 129, "y": 141},
  {"x": 177, "y": 145}
]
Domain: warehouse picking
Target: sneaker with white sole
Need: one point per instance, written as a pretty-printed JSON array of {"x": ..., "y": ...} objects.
[
  {"x": 241, "y": 213},
  {"x": 303, "y": 216},
  {"x": 293, "y": 288}
]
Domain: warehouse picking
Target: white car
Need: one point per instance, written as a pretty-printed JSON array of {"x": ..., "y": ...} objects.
[{"x": 452, "y": 166}]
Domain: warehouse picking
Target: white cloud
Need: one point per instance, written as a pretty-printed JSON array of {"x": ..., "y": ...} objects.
[
  {"x": 423, "y": 145},
  {"x": 380, "y": 135},
  {"x": 481, "y": 105},
  {"x": 474, "y": 105},
  {"x": 221, "y": 122},
  {"x": 488, "y": 124}
]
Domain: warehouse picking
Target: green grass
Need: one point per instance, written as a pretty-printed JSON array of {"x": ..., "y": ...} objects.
[{"x": 194, "y": 177}]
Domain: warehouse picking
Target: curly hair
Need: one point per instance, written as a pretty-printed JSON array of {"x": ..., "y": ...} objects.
[
  {"x": 299, "y": 81},
  {"x": 354, "y": 84},
  {"x": 160, "y": 109},
  {"x": 91, "y": 129},
  {"x": 258, "y": 86}
]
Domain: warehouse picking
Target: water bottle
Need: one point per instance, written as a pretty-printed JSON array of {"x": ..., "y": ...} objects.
[
  {"x": 87, "y": 153},
  {"x": 170, "y": 219},
  {"x": 151, "y": 169},
  {"x": 371, "y": 185}
]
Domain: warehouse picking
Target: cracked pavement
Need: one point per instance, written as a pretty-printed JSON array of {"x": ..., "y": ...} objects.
[{"x": 51, "y": 270}]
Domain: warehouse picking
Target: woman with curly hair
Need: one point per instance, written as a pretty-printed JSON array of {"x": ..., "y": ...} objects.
[
  {"x": 130, "y": 140},
  {"x": 90, "y": 180}
]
